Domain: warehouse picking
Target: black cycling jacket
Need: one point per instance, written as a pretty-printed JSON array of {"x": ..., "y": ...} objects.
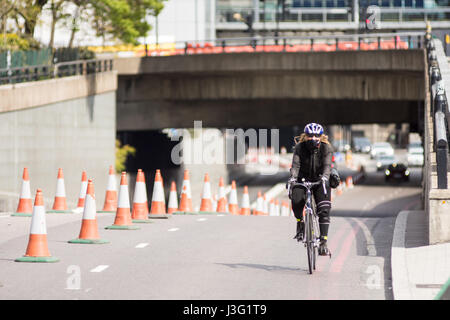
[{"x": 311, "y": 165}]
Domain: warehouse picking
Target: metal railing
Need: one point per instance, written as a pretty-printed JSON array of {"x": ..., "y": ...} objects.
[
  {"x": 440, "y": 114},
  {"x": 373, "y": 41},
  {"x": 57, "y": 70}
]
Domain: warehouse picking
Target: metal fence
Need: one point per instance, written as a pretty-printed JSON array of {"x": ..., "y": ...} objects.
[
  {"x": 440, "y": 113},
  {"x": 57, "y": 70}
]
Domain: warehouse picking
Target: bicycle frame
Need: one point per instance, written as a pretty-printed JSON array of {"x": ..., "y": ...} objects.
[{"x": 311, "y": 239}]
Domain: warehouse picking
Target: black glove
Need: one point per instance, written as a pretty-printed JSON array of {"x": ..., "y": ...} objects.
[{"x": 289, "y": 184}]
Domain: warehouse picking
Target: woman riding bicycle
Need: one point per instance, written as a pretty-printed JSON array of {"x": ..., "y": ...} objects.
[{"x": 312, "y": 161}]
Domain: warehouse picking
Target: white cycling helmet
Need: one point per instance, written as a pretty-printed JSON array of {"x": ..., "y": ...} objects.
[{"x": 313, "y": 129}]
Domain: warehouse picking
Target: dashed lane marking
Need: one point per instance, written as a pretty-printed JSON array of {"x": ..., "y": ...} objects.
[
  {"x": 173, "y": 229},
  {"x": 100, "y": 268},
  {"x": 141, "y": 245}
]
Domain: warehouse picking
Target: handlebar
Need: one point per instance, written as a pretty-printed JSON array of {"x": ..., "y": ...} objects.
[{"x": 308, "y": 185}]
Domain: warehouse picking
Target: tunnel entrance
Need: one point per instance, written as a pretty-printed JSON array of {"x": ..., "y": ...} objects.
[{"x": 153, "y": 150}]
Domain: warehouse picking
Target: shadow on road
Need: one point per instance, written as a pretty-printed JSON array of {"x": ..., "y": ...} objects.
[{"x": 262, "y": 267}]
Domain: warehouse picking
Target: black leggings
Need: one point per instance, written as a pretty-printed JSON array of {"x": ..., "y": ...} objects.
[{"x": 323, "y": 202}]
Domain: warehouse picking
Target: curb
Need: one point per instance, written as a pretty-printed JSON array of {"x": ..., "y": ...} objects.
[{"x": 400, "y": 283}]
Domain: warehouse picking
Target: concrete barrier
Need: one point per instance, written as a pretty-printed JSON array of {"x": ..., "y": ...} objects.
[{"x": 437, "y": 201}]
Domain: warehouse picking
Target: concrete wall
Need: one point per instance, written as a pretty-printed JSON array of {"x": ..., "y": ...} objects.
[
  {"x": 74, "y": 134},
  {"x": 437, "y": 201}
]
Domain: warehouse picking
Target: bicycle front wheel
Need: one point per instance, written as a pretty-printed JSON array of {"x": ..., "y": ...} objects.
[{"x": 309, "y": 243}]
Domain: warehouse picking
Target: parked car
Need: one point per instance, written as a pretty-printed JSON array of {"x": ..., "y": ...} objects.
[
  {"x": 415, "y": 154},
  {"x": 361, "y": 144},
  {"x": 384, "y": 161},
  {"x": 397, "y": 171},
  {"x": 381, "y": 148},
  {"x": 341, "y": 145}
]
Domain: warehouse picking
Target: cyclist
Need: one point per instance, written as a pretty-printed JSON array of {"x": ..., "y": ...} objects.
[{"x": 312, "y": 161}]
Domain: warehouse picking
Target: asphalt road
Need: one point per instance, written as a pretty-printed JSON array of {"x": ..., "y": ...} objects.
[{"x": 215, "y": 256}]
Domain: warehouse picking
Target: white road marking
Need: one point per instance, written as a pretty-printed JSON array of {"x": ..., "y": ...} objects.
[
  {"x": 141, "y": 245},
  {"x": 100, "y": 268},
  {"x": 220, "y": 215},
  {"x": 201, "y": 219},
  {"x": 173, "y": 229},
  {"x": 370, "y": 242}
]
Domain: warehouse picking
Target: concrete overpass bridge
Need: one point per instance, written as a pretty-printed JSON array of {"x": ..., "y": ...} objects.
[{"x": 265, "y": 89}]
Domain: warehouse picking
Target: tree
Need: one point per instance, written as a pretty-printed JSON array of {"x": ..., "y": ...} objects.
[
  {"x": 78, "y": 16},
  {"x": 122, "y": 153},
  {"x": 124, "y": 19},
  {"x": 57, "y": 10},
  {"x": 30, "y": 11}
]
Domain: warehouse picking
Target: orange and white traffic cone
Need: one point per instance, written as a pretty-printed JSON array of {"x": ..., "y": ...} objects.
[
  {"x": 81, "y": 198},
  {"x": 277, "y": 208},
  {"x": 233, "y": 202},
  {"x": 245, "y": 204},
  {"x": 265, "y": 205},
  {"x": 206, "y": 203},
  {"x": 173, "y": 199},
  {"x": 339, "y": 189},
  {"x": 222, "y": 202},
  {"x": 272, "y": 207},
  {"x": 110, "y": 205},
  {"x": 259, "y": 210},
  {"x": 214, "y": 203},
  {"x": 349, "y": 182},
  {"x": 158, "y": 209},
  {"x": 60, "y": 203},
  {"x": 89, "y": 228},
  {"x": 37, "y": 249},
  {"x": 284, "y": 209},
  {"x": 139, "y": 213},
  {"x": 123, "y": 215},
  {"x": 186, "y": 198},
  {"x": 25, "y": 206}
]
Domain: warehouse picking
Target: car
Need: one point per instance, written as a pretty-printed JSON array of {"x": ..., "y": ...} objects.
[
  {"x": 415, "y": 154},
  {"x": 381, "y": 148},
  {"x": 383, "y": 161},
  {"x": 397, "y": 171},
  {"x": 341, "y": 145},
  {"x": 361, "y": 144}
]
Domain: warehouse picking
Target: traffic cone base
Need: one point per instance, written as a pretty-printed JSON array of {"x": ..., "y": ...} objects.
[
  {"x": 60, "y": 211},
  {"x": 18, "y": 214},
  {"x": 113, "y": 227},
  {"x": 158, "y": 216},
  {"x": 141, "y": 221},
  {"x": 36, "y": 259},
  {"x": 89, "y": 241}
]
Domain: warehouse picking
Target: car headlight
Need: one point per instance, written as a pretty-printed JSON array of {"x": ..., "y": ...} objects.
[
  {"x": 406, "y": 173},
  {"x": 378, "y": 164},
  {"x": 387, "y": 172}
]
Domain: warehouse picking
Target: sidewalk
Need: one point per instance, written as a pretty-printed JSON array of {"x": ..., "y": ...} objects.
[{"x": 419, "y": 271}]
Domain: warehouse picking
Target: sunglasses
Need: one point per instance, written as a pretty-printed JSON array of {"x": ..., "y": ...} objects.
[{"x": 310, "y": 135}]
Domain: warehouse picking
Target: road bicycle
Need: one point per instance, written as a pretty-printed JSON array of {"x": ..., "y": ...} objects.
[{"x": 311, "y": 238}]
